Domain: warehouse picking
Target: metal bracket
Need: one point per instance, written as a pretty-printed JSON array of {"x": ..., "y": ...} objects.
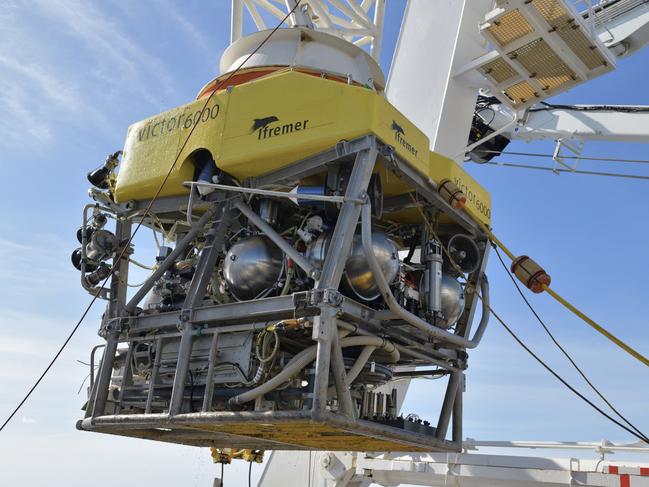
[
  {"x": 331, "y": 297},
  {"x": 573, "y": 147},
  {"x": 111, "y": 325}
]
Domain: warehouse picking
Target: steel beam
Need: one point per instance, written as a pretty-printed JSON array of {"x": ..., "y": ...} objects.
[
  {"x": 111, "y": 325},
  {"x": 202, "y": 275},
  {"x": 171, "y": 258}
]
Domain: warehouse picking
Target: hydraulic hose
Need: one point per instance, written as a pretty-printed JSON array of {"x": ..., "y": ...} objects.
[
  {"x": 304, "y": 358},
  {"x": 362, "y": 359},
  {"x": 395, "y": 307}
]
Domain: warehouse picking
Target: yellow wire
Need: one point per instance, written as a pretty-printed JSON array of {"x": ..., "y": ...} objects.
[{"x": 569, "y": 306}]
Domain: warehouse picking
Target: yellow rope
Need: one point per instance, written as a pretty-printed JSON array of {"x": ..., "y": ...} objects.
[
  {"x": 569, "y": 306},
  {"x": 598, "y": 327}
]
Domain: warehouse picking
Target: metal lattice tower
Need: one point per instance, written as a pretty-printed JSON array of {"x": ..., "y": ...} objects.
[{"x": 358, "y": 21}]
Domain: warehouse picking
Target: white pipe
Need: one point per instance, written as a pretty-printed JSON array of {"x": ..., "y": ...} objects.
[
  {"x": 278, "y": 194},
  {"x": 362, "y": 359},
  {"x": 471, "y": 444},
  {"x": 304, "y": 358},
  {"x": 395, "y": 307}
]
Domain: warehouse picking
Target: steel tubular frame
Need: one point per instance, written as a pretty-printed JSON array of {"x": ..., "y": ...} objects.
[
  {"x": 204, "y": 269},
  {"x": 324, "y": 305}
]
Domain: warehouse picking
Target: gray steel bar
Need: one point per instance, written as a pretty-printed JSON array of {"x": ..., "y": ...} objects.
[
  {"x": 118, "y": 289},
  {"x": 277, "y": 194},
  {"x": 92, "y": 364},
  {"x": 332, "y": 270},
  {"x": 341, "y": 240},
  {"x": 278, "y": 240},
  {"x": 171, "y": 258},
  {"x": 195, "y": 295},
  {"x": 154, "y": 375},
  {"x": 447, "y": 405},
  {"x": 278, "y": 307},
  {"x": 209, "y": 379},
  {"x": 323, "y": 326},
  {"x": 315, "y": 164},
  {"x": 340, "y": 378},
  {"x": 126, "y": 375},
  {"x": 457, "y": 412}
]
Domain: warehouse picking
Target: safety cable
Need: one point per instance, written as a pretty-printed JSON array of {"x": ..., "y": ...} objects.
[
  {"x": 589, "y": 321},
  {"x": 563, "y": 350},
  {"x": 570, "y": 171},
  {"x": 551, "y": 156},
  {"x": 558, "y": 377},
  {"x": 520, "y": 342},
  {"x": 250, "y": 474},
  {"x": 590, "y": 108},
  {"x": 139, "y": 224}
]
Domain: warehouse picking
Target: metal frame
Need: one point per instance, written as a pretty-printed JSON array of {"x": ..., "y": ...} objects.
[
  {"x": 542, "y": 30},
  {"x": 358, "y": 21},
  {"x": 324, "y": 306}
]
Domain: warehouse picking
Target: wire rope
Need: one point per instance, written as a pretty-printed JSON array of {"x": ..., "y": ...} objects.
[
  {"x": 581, "y": 158},
  {"x": 516, "y": 338},
  {"x": 563, "y": 350},
  {"x": 571, "y": 171},
  {"x": 585, "y": 318}
]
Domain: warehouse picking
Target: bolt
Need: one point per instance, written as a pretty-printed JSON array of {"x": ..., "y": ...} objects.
[{"x": 325, "y": 461}]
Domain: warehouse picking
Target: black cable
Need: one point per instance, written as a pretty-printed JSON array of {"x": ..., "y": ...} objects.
[
  {"x": 559, "y": 378},
  {"x": 222, "y": 470},
  {"x": 563, "y": 350},
  {"x": 250, "y": 475},
  {"x": 590, "y": 108},
  {"x": 146, "y": 211}
]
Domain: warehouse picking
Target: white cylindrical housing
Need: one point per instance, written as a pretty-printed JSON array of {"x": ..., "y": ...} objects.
[{"x": 305, "y": 48}]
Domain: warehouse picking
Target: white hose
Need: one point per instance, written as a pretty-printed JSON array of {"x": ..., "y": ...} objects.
[
  {"x": 304, "y": 358},
  {"x": 390, "y": 300},
  {"x": 362, "y": 359}
]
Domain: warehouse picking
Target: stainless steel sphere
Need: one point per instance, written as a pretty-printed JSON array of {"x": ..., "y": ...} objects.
[
  {"x": 252, "y": 266},
  {"x": 358, "y": 276},
  {"x": 452, "y": 301},
  {"x": 357, "y": 271}
]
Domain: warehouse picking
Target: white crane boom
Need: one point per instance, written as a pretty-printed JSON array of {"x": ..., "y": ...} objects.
[
  {"x": 336, "y": 469},
  {"x": 442, "y": 61}
]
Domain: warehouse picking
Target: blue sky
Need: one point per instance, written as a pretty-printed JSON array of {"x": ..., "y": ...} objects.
[{"x": 74, "y": 75}]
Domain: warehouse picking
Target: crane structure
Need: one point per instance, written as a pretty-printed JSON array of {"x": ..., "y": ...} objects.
[
  {"x": 323, "y": 243},
  {"x": 350, "y": 469}
]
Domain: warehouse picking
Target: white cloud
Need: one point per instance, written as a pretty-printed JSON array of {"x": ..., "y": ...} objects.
[
  {"x": 65, "y": 62},
  {"x": 26, "y": 420},
  {"x": 117, "y": 57},
  {"x": 45, "y": 84},
  {"x": 36, "y": 267}
]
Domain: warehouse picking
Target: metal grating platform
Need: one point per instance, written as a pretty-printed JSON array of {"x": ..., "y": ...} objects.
[
  {"x": 540, "y": 48},
  {"x": 296, "y": 431}
]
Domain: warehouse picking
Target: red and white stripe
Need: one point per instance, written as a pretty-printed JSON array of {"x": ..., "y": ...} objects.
[{"x": 629, "y": 476}]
